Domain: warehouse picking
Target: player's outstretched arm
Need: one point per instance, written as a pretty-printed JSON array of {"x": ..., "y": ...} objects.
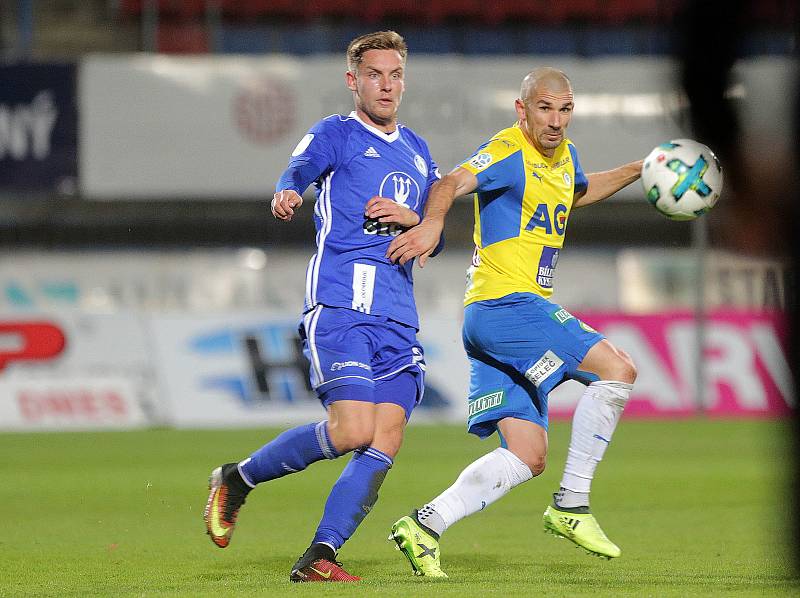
[
  {"x": 607, "y": 183},
  {"x": 389, "y": 211},
  {"x": 421, "y": 240},
  {"x": 284, "y": 204}
]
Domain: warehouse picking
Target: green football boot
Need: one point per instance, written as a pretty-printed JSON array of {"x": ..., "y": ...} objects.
[
  {"x": 581, "y": 528},
  {"x": 421, "y": 547}
]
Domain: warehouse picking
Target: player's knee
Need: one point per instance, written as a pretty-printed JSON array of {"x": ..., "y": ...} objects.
[
  {"x": 352, "y": 435},
  {"x": 536, "y": 464},
  {"x": 621, "y": 369},
  {"x": 627, "y": 369},
  {"x": 534, "y": 459}
]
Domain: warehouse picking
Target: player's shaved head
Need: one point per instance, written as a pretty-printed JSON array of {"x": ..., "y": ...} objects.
[
  {"x": 544, "y": 77},
  {"x": 544, "y": 108}
]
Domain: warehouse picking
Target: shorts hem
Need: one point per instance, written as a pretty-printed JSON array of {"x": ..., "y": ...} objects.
[
  {"x": 344, "y": 381},
  {"x": 483, "y": 428}
]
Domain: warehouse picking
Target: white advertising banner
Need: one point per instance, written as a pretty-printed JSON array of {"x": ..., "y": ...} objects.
[
  {"x": 72, "y": 370},
  {"x": 209, "y": 338},
  {"x": 70, "y": 403},
  {"x": 249, "y": 370},
  {"x": 222, "y": 127},
  {"x": 245, "y": 370}
]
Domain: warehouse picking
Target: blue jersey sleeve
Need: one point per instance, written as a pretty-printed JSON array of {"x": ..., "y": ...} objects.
[
  {"x": 315, "y": 154},
  {"x": 433, "y": 173},
  {"x": 581, "y": 182}
]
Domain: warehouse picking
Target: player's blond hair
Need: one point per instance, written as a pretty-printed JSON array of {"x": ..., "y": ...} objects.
[{"x": 379, "y": 40}]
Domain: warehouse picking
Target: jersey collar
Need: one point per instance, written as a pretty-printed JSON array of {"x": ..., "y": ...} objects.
[{"x": 385, "y": 136}]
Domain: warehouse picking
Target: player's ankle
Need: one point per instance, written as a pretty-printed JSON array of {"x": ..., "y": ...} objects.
[
  {"x": 233, "y": 479},
  {"x": 571, "y": 501},
  {"x": 430, "y": 521}
]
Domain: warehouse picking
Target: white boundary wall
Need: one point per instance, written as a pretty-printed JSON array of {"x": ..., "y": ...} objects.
[
  {"x": 208, "y": 338},
  {"x": 156, "y": 126}
]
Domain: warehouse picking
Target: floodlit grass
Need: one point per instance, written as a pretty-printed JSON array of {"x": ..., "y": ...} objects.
[{"x": 699, "y": 508}]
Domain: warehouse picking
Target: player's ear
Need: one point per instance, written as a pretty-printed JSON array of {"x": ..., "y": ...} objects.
[
  {"x": 350, "y": 80},
  {"x": 519, "y": 106}
]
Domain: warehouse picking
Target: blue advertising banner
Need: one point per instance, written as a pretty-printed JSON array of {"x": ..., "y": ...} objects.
[{"x": 38, "y": 127}]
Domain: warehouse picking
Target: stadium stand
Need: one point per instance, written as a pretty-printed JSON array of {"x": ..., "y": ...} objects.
[
  {"x": 67, "y": 29},
  {"x": 584, "y": 27},
  {"x": 492, "y": 12}
]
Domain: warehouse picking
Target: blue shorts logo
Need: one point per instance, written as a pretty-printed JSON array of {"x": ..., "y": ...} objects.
[
  {"x": 485, "y": 402},
  {"x": 544, "y": 368}
]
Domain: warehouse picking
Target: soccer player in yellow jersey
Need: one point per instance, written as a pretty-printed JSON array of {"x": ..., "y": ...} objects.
[{"x": 520, "y": 346}]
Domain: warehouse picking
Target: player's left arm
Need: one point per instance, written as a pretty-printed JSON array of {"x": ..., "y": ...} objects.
[
  {"x": 601, "y": 185},
  {"x": 389, "y": 211}
]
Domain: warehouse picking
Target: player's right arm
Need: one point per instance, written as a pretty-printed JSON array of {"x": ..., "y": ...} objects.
[
  {"x": 421, "y": 240},
  {"x": 315, "y": 154},
  {"x": 488, "y": 169},
  {"x": 284, "y": 202}
]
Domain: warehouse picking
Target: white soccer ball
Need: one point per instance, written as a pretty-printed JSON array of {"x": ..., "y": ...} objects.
[{"x": 682, "y": 179}]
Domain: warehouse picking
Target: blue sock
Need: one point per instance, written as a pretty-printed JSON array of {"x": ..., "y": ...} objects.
[
  {"x": 352, "y": 496},
  {"x": 291, "y": 451}
]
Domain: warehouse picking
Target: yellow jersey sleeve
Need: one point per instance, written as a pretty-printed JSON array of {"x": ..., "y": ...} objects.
[{"x": 494, "y": 163}]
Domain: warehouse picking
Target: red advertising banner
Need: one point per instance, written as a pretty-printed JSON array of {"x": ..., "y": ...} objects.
[{"x": 746, "y": 372}]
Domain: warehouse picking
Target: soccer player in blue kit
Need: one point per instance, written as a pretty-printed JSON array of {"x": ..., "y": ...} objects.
[
  {"x": 520, "y": 345},
  {"x": 372, "y": 177}
]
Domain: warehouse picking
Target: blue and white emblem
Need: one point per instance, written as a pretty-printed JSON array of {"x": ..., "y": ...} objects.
[
  {"x": 420, "y": 164},
  {"x": 402, "y": 188}
]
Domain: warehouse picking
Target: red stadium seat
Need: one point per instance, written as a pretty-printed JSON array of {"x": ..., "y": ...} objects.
[
  {"x": 130, "y": 7},
  {"x": 413, "y": 11},
  {"x": 182, "y": 38},
  {"x": 774, "y": 12},
  {"x": 250, "y": 9},
  {"x": 455, "y": 10},
  {"x": 315, "y": 9},
  {"x": 186, "y": 9},
  {"x": 574, "y": 10},
  {"x": 497, "y": 12},
  {"x": 619, "y": 12}
]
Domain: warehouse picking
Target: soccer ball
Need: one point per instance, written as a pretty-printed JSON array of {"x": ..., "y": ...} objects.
[{"x": 682, "y": 179}]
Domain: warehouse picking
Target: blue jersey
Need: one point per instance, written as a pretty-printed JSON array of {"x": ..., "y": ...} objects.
[{"x": 350, "y": 162}]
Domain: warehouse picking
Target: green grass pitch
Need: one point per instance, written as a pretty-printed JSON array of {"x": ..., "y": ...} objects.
[{"x": 699, "y": 508}]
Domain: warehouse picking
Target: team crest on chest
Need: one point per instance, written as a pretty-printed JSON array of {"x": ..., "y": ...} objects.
[
  {"x": 567, "y": 179},
  {"x": 400, "y": 187}
]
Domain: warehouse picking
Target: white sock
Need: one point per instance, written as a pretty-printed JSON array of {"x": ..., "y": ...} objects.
[
  {"x": 479, "y": 485},
  {"x": 593, "y": 426}
]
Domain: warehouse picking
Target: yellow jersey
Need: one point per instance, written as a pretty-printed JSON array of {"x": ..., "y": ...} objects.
[{"x": 522, "y": 204}]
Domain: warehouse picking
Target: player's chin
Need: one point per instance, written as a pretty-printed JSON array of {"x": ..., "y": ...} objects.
[
  {"x": 549, "y": 142},
  {"x": 385, "y": 113}
]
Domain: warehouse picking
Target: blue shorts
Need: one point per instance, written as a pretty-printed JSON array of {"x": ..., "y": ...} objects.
[
  {"x": 520, "y": 347},
  {"x": 347, "y": 348}
]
